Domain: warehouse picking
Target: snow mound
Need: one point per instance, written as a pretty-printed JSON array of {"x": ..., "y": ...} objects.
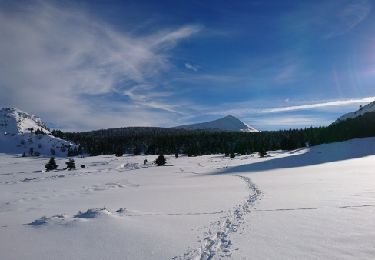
[
  {"x": 21, "y": 133},
  {"x": 46, "y": 220},
  {"x": 61, "y": 219},
  {"x": 228, "y": 123},
  {"x": 361, "y": 111},
  {"x": 93, "y": 213}
]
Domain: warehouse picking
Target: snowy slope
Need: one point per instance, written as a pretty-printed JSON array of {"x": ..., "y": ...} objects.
[
  {"x": 15, "y": 121},
  {"x": 313, "y": 203},
  {"x": 228, "y": 123},
  {"x": 17, "y": 135},
  {"x": 365, "y": 109}
]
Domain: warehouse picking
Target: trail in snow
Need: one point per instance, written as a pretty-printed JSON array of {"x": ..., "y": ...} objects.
[{"x": 216, "y": 242}]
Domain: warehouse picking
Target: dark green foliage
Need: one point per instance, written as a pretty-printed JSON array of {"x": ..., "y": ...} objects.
[
  {"x": 51, "y": 165},
  {"x": 119, "y": 152},
  {"x": 137, "y": 150},
  {"x": 160, "y": 161},
  {"x": 57, "y": 133},
  {"x": 168, "y": 141},
  {"x": 73, "y": 151},
  {"x": 39, "y": 132},
  {"x": 262, "y": 153},
  {"x": 70, "y": 165}
]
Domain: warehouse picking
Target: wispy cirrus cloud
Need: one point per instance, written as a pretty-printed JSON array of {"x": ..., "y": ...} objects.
[
  {"x": 349, "y": 16},
  {"x": 53, "y": 57},
  {"x": 319, "y": 105},
  {"x": 192, "y": 67}
]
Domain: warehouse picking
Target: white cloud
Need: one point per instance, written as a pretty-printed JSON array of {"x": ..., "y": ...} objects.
[
  {"x": 55, "y": 61},
  {"x": 286, "y": 121},
  {"x": 319, "y": 105},
  {"x": 191, "y": 67}
]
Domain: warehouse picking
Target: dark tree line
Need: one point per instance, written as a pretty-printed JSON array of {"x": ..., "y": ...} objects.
[{"x": 152, "y": 140}]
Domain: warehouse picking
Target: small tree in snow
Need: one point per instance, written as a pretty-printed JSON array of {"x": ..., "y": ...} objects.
[
  {"x": 51, "y": 165},
  {"x": 119, "y": 152},
  {"x": 262, "y": 152},
  {"x": 70, "y": 164},
  {"x": 160, "y": 161}
]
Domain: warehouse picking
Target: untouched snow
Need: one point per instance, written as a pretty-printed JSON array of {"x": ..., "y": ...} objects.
[
  {"x": 365, "y": 109},
  {"x": 228, "y": 123},
  {"x": 17, "y": 135},
  {"x": 315, "y": 203}
]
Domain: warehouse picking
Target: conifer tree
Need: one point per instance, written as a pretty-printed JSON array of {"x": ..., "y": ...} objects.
[
  {"x": 160, "y": 161},
  {"x": 51, "y": 165},
  {"x": 70, "y": 164}
]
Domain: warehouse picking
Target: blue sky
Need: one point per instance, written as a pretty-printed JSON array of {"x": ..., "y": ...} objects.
[{"x": 274, "y": 64}]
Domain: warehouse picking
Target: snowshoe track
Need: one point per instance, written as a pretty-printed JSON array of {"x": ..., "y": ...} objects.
[{"x": 216, "y": 242}]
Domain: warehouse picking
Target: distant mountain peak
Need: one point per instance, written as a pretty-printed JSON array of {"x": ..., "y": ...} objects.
[
  {"x": 227, "y": 123},
  {"x": 16, "y": 121},
  {"x": 361, "y": 111},
  {"x": 19, "y": 135}
]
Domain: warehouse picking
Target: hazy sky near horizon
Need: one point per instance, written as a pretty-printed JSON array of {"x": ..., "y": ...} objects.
[{"x": 84, "y": 65}]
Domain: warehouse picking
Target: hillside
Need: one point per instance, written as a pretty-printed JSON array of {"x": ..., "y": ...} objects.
[
  {"x": 23, "y": 133},
  {"x": 360, "y": 112},
  {"x": 228, "y": 123}
]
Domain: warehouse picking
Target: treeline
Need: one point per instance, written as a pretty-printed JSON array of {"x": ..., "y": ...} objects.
[{"x": 151, "y": 140}]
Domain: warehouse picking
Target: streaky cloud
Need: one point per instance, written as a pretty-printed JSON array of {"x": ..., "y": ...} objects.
[{"x": 318, "y": 105}]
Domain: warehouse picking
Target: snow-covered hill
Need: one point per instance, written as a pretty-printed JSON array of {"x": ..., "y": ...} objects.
[
  {"x": 361, "y": 111},
  {"x": 228, "y": 123},
  {"x": 22, "y": 133}
]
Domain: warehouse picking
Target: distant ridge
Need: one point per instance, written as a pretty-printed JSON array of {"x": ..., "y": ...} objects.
[
  {"x": 361, "y": 111},
  {"x": 227, "y": 123},
  {"x": 23, "y": 133}
]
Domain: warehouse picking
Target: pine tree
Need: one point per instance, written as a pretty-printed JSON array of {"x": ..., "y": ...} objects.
[
  {"x": 70, "y": 164},
  {"x": 119, "y": 152},
  {"x": 160, "y": 161},
  {"x": 51, "y": 165},
  {"x": 262, "y": 152}
]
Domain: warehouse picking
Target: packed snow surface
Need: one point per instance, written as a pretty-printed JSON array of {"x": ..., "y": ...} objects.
[
  {"x": 228, "y": 123},
  {"x": 313, "y": 203}
]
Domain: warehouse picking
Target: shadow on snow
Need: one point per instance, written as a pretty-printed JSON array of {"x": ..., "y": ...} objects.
[{"x": 334, "y": 152}]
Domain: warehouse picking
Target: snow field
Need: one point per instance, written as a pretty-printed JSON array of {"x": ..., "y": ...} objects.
[{"x": 315, "y": 203}]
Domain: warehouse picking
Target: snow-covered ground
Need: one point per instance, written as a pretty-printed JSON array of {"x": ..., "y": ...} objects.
[{"x": 316, "y": 203}]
